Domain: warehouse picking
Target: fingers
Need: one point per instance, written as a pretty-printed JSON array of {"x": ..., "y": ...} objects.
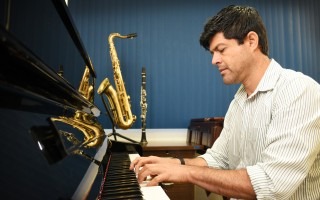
[
  {"x": 133, "y": 163},
  {"x": 145, "y": 167},
  {"x": 153, "y": 182},
  {"x": 155, "y": 179},
  {"x": 139, "y": 162},
  {"x": 147, "y": 172}
]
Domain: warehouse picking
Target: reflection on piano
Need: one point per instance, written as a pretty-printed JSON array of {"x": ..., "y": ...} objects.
[{"x": 32, "y": 92}]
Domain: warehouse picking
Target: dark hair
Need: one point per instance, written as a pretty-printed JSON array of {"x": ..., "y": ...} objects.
[{"x": 235, "y": 22}]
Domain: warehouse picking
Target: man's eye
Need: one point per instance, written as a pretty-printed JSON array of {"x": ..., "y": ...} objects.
[{"x": 221, "y": 50}]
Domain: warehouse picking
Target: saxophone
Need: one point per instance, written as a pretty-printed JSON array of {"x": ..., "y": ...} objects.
[
  {"x": 85, "y": 122},
  {"x": 119, "y": 101}
]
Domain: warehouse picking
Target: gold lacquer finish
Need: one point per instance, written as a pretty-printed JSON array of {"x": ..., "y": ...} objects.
[
  {"x": 93, "y": 132},
  {"x": 86, "y": 123},
  {"x": 85, "y": 88},
  {"x": 118, "y": 99}
]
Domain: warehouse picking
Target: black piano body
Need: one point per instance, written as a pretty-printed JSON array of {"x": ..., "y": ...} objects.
[{"x": 37, "y": 39}]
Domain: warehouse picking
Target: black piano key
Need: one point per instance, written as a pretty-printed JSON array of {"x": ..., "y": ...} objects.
[
  {"x": 120, "y": 182},
  {"x": 122, "y": 194},
  {"x": 112, "y": 182},
  {"x": 120, "y": 185},
  {"x": 121, "y": 173},
  {"x": 123, "y": 190},
  {"x": 120, "y": 177},
  {"x": 126, "y": 197}
]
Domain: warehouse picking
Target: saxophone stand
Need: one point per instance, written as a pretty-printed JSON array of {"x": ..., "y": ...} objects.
[{"x": 114, "y": 133}]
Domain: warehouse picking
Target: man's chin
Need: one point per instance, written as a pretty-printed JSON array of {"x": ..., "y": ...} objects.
[{"x": 226, "y": 81}]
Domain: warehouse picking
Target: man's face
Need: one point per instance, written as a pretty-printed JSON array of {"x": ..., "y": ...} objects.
[{"x": 230, "y": 58}]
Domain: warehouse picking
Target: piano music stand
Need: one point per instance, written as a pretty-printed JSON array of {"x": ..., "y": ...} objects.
[{"x": 114, "y": 132}]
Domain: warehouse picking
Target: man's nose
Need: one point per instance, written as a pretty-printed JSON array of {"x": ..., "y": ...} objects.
[{"x": 216, "y": 59}]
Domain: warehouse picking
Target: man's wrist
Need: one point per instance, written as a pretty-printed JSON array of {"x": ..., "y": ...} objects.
[{"x": 182, "y": 161}]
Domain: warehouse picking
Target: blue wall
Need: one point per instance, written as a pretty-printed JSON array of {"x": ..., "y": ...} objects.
[{"x": 181, "y": 82}]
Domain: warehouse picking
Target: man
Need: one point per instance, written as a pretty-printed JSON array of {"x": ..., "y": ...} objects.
[{"x": 269, "y": 147}]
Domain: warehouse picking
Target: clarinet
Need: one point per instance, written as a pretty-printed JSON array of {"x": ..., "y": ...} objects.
[{"x": 143, "y": 105}]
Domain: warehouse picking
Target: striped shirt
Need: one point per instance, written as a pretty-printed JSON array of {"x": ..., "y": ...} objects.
[{"x": 275, "y": 134}]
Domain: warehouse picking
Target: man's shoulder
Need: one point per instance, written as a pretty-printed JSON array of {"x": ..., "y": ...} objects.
[
  {"x": 284, "y": 76},
  {"x": 289, "y": 76}
]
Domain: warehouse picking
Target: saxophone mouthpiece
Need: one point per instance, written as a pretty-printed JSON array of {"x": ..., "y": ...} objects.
[{"x": 132, "y": 35}]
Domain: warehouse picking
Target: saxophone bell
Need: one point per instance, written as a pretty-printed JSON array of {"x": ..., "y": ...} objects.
[{"x": 92, "y": 134}]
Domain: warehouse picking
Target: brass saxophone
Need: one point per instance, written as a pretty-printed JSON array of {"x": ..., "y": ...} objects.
[
  {"x": 85, "y": 122},
  {"x": 119, "y": 101}
]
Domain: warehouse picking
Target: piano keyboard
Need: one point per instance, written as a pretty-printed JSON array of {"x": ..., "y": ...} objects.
[{"x": 119, "y": 182}]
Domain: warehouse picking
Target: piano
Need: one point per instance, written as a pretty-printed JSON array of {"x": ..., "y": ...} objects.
[{"x": 40, "y": 51}]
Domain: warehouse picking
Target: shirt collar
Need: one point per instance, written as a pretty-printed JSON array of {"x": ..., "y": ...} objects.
[{"x": 267, "y": 82}]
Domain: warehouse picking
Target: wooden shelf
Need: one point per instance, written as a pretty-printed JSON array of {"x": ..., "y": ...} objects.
[{"x": 205, "y": 131}]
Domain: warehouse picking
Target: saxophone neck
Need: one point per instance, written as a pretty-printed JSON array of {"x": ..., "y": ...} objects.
[
  {"x": 113, "y": 53},
  {"x": 118, "y": 35}
]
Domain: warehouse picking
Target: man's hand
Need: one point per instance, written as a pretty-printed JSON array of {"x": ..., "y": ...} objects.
[
  {"x": 153, "y": 166},
  {"x": 139, "y": 162},
  {"x": 163, "y": 173}
]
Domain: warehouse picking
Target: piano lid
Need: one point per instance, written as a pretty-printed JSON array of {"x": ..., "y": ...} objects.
[
  {"x": 27, "y": 83},
  {"x": 39, "y": 37},
  {"x": 66, "y": 18}
]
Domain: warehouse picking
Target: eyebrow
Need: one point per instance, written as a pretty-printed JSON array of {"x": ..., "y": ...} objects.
[{"x": 216, "y": 47}]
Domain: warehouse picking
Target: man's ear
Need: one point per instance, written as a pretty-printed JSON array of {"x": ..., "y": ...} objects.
[{"x": 253, "y": 40}]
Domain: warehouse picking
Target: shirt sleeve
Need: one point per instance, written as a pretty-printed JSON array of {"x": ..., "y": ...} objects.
[
  {"x": 293, "y": 141},
  {"x": 217, "y": 155}
]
